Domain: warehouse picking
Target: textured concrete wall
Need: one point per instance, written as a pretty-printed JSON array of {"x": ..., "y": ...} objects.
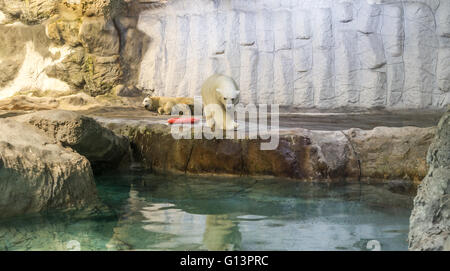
[{"x": 306, "y": 53}]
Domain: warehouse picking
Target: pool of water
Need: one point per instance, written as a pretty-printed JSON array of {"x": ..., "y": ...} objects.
[{"x": 148, "y": 212}]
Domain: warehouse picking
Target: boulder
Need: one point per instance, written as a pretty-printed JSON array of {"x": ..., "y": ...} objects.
[
  {"x": 430, "y": 219},
  {"x": 392, "y": 152},
  {"x": 100, "y": 146},
  {"x": 37, "y": 174}
]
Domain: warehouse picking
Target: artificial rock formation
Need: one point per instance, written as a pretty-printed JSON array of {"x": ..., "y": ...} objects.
[
  {"x": 430, "y": 218},
  {"x": 326, "y": 54},
  {"x": 349, "y": 155},
  {"x": 69, "y": 45},
  {"x": 392, "y": 152},
  {"x": 37, "y": 174},
  {"x": 75, "y": 102},
  {"x": 100, "y": 146}
]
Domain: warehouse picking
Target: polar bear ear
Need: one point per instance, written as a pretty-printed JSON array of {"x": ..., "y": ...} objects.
[
  {"x": 237, "y": 92},
  {"x": 219, "y": 90}
]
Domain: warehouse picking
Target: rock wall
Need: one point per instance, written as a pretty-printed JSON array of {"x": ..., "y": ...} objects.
[
  {"x": 346, "y": 155},
  {"x": 303, "y": 53},
  {"x": 70, "y": 45},
  {"x": 430, "y": 218}
]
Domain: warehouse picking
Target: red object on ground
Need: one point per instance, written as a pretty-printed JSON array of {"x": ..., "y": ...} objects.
[{"x": 182, "y": 120}]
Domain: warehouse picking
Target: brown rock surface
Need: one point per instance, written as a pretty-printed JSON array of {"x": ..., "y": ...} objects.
[
  {"x": 104, "y": 46},
  {"x": 391, "y": 152},
  {"x": 301, "y": 154},
  {"x": 99, "y": 145},
  {"x": 99, "y": 36},
  {"x": 37, "y": 174}
]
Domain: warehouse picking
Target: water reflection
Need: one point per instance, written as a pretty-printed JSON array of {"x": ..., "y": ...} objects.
[
  {"x": 177, "y": 213},
  {"x": 234, "y": 214},
  {"x": 222, "y": 233},
  {"x": 171, "y": 228}
]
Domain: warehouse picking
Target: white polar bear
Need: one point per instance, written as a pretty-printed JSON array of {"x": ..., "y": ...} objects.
[{"x": 220, "y": 94}]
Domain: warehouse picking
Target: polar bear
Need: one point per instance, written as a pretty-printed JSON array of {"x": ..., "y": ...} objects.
[
  {"x": 220, "y": 94},
  {"x": 164, "y": 105}
]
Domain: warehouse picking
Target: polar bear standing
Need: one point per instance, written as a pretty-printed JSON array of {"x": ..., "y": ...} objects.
[{"x": 220, "y": 94}]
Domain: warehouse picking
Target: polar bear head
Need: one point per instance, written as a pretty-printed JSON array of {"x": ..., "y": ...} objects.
[
  {"x": 229, "y": 97},
  {"x": 148, "y": 104}
]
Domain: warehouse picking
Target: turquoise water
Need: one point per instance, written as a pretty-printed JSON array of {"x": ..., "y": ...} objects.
[{"x": 147, "y": 212}]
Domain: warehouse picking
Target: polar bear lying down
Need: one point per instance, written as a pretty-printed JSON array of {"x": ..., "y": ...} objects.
[
  {"x": 164, "y": 105},
  {"x": 220, "y": 94}
]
